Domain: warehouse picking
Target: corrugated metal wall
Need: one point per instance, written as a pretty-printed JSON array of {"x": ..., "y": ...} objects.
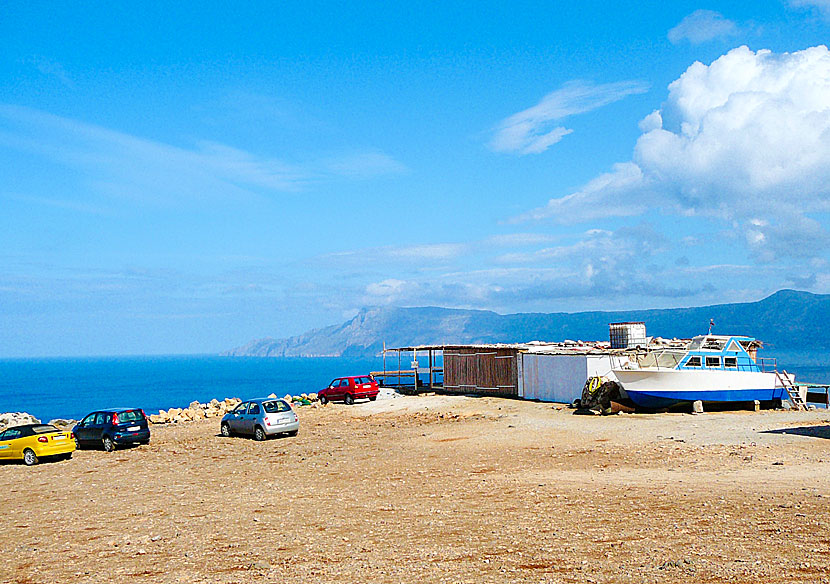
[{"x": 482, "y": 371}]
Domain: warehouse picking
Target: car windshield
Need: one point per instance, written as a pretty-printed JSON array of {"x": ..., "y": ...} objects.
[
  {"x": 131, "y": 416},
  {"x": 44, "y": 429}
]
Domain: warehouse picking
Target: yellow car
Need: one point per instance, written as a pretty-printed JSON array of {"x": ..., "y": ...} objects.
[{"x": 31, "y": 442}]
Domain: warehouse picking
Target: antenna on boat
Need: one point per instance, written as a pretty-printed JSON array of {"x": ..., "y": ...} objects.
[{"x": 711, "y": 325}]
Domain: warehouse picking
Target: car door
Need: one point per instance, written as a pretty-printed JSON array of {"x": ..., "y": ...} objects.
[
  {"x": 13, "y": 442},
  {"x": 96, "y": 431},
  {"x": 251, "y": 417},
  {"x": 238, "y": 417},
  {"x": 6, "y": 444},
  {"x": 343, "y": 388},
  {"x": 84, "y": 429}
]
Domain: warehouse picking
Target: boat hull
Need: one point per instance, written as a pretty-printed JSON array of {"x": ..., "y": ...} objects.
[{"x": 662, "y": 388}]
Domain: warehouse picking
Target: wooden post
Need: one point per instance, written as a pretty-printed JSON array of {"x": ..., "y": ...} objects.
[
  {"x": 384, "y": 362},
  {"x": 431, "y": 384},
  {"x": 399, "y": 369}
]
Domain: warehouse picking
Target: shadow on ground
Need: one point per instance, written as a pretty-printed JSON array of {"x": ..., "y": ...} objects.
[{"x": 810, "y": 431}]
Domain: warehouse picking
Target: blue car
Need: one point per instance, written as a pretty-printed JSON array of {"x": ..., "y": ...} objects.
[{"x": 112, "y": 428}]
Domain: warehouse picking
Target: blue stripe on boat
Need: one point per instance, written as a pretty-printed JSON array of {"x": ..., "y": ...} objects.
[{"x": 657, "y": 399}]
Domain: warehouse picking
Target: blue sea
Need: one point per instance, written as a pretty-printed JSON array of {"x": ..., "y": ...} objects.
[{"x": 70, "y": 388}]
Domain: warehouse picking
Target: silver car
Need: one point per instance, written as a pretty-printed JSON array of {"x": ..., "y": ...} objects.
[{"x": 261, "y": 418}]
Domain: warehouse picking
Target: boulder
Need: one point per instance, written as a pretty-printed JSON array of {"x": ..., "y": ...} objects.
[
  {"x": 63, "y": 423},
  {"x": 16, "y": 419}
]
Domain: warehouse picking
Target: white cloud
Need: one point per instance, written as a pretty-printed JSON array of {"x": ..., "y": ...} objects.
[
  {"x": 534, "y": 130},
  {"x": 118, "y": 164},
  {"x": 744, "y": 139},
  {"x": 822, "y": 6},
  {"x": 701, "y": 26},
  {"x": 598, "y": 199}
]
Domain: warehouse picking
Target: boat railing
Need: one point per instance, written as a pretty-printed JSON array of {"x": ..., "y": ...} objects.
[{"x": 768, "y": 364}]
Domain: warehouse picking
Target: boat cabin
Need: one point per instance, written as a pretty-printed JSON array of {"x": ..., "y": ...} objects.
[{"x": 719, "y": 352}]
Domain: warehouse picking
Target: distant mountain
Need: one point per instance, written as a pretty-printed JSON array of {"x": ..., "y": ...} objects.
[{"x": 788, "y": 321}]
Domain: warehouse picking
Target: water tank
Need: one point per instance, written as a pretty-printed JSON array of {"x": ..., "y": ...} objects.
[{"x": 628, "y": 335}]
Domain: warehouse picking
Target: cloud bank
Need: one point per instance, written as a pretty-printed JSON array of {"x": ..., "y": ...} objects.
[{"x": 745, "y": 140}]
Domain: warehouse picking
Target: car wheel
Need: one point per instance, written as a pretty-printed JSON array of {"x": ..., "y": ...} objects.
[
  {"x": 259, "y": 434},
  {"x": 29, "y": 457},
  {"x": 145, "y": 442},
  {"x": 109, "y": 445},
  {"x": 348, "y": 399},
  {"x": 293, "y": 432},
  {"x": 373, "y": 398},
  {"x": 225, "y": 430},
  {"x": 324, "y": 400},
  {"x": 77, "y": 443}
]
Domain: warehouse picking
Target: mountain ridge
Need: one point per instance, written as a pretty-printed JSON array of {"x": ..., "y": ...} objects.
[{"x": 788, "y": 320}]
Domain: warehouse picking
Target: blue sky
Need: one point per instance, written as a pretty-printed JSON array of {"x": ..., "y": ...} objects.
[{"x": 182, "y": 179}]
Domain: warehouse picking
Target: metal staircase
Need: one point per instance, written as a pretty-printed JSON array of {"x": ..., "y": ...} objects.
[{"x": 791, "y": 388}]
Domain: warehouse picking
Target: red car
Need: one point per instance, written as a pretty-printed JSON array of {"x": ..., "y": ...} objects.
[{"x": 349, "y": 389}]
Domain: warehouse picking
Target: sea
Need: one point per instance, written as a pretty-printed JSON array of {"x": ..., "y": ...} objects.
[{"x": 72, "y": 387}]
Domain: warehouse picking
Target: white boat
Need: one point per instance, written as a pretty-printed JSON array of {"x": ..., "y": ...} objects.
[{"x": 714, "y": 368}]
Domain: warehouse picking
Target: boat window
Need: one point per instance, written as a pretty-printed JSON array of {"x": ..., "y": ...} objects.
[
  {"x": 693, "y": 361},
  {"x": 730, "y": 362},
  {"x": 711, "y": 344},
  {"x": 713, "y": 362},
  {"x": 668, "y": 359},
  {"x": 734, "y": 347},
  {"x": 665, "y": 359}
]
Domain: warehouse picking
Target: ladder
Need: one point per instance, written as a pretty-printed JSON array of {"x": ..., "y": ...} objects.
[{"x": 791, "y": 388}]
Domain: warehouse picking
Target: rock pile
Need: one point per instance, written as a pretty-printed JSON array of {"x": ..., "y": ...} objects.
[
  {"x": 195, "y": 411},
  {"x": 16, "y": 419},
  {"x": 215, "y": 408}
]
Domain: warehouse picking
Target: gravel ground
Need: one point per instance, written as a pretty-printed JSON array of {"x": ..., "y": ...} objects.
[{"x": 436, "y": 489}]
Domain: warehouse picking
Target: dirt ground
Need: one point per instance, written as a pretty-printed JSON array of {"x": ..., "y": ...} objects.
[{"x": 436, "y": 489}]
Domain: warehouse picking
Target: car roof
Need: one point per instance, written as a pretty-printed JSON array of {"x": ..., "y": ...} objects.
[
  {"x": 22, "y": 426},
  {"x": 263, "y": 399},
  {"x": 113, "y": 410}
]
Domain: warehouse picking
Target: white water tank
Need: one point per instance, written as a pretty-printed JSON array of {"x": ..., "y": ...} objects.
[{"x": 628, "y": 335}]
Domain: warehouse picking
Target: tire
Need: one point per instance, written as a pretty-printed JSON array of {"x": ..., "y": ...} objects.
[
  {"x": 144, "y": 442},
  {"x": 225, "y": 430},
  {"x": 324, "y": 400},
  {"x": 259, "y": 434},
  {"x": 373, "y": 398},
  {"x": 293, "y": 432},
  {"x": 109, "y": 445},
  {"x": 29, "y": 457},
  {"x": 348, "y": 399}
]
